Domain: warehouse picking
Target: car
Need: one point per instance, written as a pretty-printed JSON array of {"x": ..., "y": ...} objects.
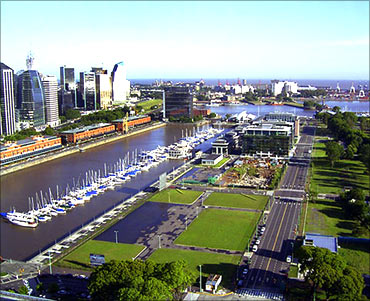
[
  {"x": 289, "y": 259},
  {"x": 255, "y": 248},
  {"x": 263, "y": 229},
  {"x": 245, "y": 271},
  {"x": 258, "y": 242}
]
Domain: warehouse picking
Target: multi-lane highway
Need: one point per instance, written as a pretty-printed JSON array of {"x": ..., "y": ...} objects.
[{"x": 268, "y": 267}]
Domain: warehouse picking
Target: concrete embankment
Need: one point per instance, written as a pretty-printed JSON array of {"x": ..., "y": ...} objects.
[{"x": 73, "y": 150}]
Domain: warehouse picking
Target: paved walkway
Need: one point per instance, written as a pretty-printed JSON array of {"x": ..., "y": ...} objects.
[{"x": 179, "y": 218}]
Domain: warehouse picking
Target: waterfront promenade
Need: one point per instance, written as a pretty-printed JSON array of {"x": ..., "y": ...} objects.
[{"x": 78, "y": 148}]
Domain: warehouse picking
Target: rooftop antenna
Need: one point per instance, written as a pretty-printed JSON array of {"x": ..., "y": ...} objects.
[{"x": 29, "y": 61}]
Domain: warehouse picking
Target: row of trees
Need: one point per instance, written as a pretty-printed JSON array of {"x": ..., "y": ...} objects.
[
  {"x": 355, "y": 207},
  {"x": 329, "y": 271},
  {"x": 312, "y": 93},
  {"x": 140, "y": 280},
  {"x": 354, "y": 140}
]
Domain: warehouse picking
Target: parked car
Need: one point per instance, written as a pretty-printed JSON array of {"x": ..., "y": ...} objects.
[
  {"x": 258, "y": 242},
  {"x": 289, "y": 259},
  {"x": 255, "y": 248}
]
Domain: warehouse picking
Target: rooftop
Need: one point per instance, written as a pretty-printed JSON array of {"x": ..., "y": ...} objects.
[
  {"x": 322, "y": 241},
  {"x": 86, "y": 128}
]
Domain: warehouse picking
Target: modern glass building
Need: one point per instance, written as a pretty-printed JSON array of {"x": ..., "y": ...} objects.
[
  {"x": 103, "y": 88},
  {"x": 68, "y": 95},
  {"x": 267, "y": 140},
  {"x": 30, "y": 98},
  {"x": 7, "y": 105},
  {"x": 88, "y": 90},
  {"x": 120, "y": 84},
  {"x": 178, "y": 102}
]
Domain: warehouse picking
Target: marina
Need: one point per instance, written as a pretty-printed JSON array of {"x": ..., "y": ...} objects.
[{"x": 93, "y": 183}]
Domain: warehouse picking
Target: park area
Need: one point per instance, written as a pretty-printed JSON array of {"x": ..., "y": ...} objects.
[
  {"x": 356, "y": 254},
  {"x": 212, "y": 263},
  {"x": 176, "y": 196},
  {"x": 220, "y": 229},
  {"x": 80, "y": 258},
  {"x": 232, "y": 200},
  {"x": 344, "y": 173}
]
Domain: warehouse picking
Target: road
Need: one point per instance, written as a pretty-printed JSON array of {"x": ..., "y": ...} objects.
[{"x": 268, "y": 266}]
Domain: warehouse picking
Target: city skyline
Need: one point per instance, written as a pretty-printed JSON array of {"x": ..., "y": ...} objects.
[{"x": 294, "y": 40}]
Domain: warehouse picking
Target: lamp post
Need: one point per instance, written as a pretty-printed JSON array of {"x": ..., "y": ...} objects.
[
  {"x": 50, "y": 269},
  {"x": 200, "y": 278},
  {"x": 116, "y": 232},
  {"x": 186, "y": 223},
  {"x": 197, "y": 211}
]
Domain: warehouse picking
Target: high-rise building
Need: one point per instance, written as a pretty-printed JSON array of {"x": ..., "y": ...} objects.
[
  {"x": 7, "y": 105},
  {"x": 68, "y": 95},
  {"x": 120, "y": 85},
  {"x": 88, "y": 90},
  {"x": 30, "y": 98},
  {"x": 103, "y": 88},
  {"x": 178, "y": 102},
  {"x": 50, "y": 86}
]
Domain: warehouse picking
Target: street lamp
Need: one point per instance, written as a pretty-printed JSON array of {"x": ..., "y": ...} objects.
[
  {"x": 197, "y": 211},
  {"x": 50, "y": 269},
  {"x": 200, "y": 278},
  {"x": 116, "y": 232},
  {"x": 186, "y": 223}
]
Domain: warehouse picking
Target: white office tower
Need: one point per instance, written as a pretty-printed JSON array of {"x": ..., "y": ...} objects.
[
  {"x": 7, "y": 105},
  {"x": 50, "y": 87},
  {"x": 120, "y": 85}
]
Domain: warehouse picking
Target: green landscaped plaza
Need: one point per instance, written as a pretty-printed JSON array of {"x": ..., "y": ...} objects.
[
  {"x": 176, "y": 196},
  {"x": 232, "y": 200},
  {"x": 220, "y": 229},
  {"x": 218, "y": 165},
  {"x": 345, "y": 173},
  {"x": 212, "y": 263},
  {"x": 80, "y": 258}
]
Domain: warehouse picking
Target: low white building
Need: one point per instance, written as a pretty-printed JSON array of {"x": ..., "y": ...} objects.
[{"x": 277, "y": 87}]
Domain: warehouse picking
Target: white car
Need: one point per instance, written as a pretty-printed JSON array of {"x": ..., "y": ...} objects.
[
  {"x": 289, "y": 259},
  {"x": 255, "y": 248},
  {"x": 258, "y": 242}
]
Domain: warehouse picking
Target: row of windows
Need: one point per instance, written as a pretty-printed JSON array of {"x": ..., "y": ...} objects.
[{"x": 29, "y": 155}]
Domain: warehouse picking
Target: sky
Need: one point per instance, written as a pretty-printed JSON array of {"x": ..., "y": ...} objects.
[{"x": 186, "y": 39}]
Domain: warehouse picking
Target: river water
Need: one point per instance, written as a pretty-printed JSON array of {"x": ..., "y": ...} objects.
[{"x": 20, "y": 243}]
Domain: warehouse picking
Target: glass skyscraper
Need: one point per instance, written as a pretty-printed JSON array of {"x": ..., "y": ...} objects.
[
  {"x": 30, "y": 98},
  {"x": 7, "y": 106},
  {"x": 68, "y": 95},
  {"x": 120, "y": 85},
  {"x": 88, "y": 90}
]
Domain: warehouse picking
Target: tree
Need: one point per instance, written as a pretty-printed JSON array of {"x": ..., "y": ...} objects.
[
  {"x": 320, "y": 266},
  {"x": 49, "y": 131},
  {"x": 212, "y": 115},
  {"x": 334, "y": 151},
  {"x": 364, "y": 155},
  {"x": 349, "y": 286},
  {"x": 23, "y": 290},
  {"x": 72, "y": 114},
  {"x": 139, "y": 280}
]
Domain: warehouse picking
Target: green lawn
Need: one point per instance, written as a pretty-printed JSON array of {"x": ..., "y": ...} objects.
[
  {"x": 236, "y": 200},
  {"x": 293, "y": 271},
  {"x": 80, "y": 258},
  {"x": 176, "y": 196},
  {"x": 221, "y": 229},
  {"x": 327, "y": 217},
  {"x": 356, "y": 255},
  {"x": 211, "y": 263},
  {"x": 327, "y": 179},
  {"x": 146, "y": 105},
  {"x": 219, "y": 164}
]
